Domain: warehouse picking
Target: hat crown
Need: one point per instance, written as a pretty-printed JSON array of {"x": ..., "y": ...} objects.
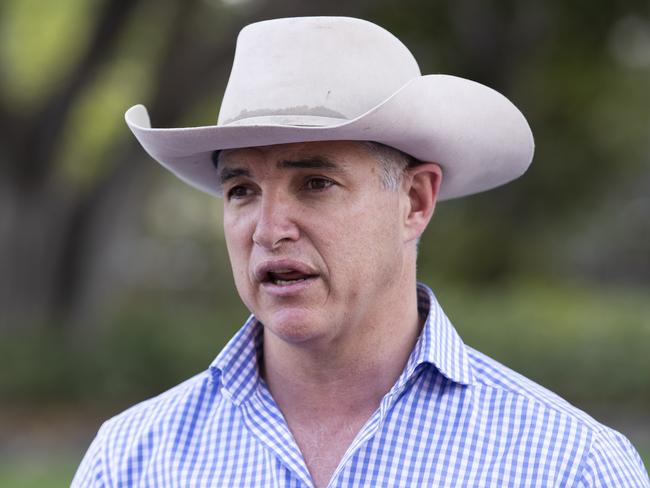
[{"x": 313, "y": 71}]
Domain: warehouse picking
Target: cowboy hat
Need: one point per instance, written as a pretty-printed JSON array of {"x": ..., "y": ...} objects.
[{"x": 337, "y": 78}]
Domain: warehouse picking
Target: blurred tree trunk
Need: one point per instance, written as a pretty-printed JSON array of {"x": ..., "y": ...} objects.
[{"x": 43, "y": 223}]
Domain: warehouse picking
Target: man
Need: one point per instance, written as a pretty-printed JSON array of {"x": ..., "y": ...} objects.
[{"x": 330, "y": 152}]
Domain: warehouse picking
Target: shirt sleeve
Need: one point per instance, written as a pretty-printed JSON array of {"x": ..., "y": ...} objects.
[
  {"x": 91, "y": 471},
  {"x": 612, "y": 462}
]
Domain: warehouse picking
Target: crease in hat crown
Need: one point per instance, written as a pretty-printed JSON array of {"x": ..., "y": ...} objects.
[
  {"x": 313, "y": 71},
  {"x": 337, "y": 78}
]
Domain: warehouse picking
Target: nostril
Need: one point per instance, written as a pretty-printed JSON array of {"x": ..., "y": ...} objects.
[{"x": 275, "y": 222}]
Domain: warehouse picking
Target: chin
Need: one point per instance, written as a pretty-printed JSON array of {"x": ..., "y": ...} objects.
[{"x": 293, "y": 326}]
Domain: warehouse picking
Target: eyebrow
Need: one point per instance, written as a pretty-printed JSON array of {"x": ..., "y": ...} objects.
[
  {"x": 230, "y": 173},
  {"x": 307, "y": 163}
]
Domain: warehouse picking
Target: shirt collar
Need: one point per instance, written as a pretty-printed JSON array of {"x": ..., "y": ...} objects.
[
  {"x": 236, "y": 368},
  {"x": 439, "y": 344}
]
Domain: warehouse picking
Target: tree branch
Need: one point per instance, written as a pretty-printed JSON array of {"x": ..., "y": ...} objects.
[{"x": 37, "y": 147}]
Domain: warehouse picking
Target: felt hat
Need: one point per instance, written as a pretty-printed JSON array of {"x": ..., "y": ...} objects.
[{"x": 338, "y": 78}]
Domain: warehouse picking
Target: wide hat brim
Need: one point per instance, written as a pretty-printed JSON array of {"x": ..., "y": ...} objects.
[{"x": 478, "y": 137}]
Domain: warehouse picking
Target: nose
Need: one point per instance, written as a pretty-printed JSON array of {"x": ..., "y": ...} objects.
[{"x": 275, "y": 221}]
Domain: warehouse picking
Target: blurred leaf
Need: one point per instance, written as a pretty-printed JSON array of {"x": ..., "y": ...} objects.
[{"x": 39, "y": 43}]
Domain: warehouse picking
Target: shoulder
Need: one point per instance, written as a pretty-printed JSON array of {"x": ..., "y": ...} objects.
[
  {"x": 603, "y": 457},
  {"x": 493, "y": 376},
  {"x": 136, "y": 432}
]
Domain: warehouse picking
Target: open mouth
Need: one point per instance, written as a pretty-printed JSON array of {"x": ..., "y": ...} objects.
[
  {"x": 286, "y": 277},
  {"x": 285, "y": 274}
]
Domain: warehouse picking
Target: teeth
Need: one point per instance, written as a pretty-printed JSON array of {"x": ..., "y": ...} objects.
[{"x": 287, "y": 282}]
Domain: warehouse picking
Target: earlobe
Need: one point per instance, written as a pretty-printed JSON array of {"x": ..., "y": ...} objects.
[{"x": 423, "y": 184}]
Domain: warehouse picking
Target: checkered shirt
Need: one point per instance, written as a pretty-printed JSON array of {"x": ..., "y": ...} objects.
[{"x": 454, "y": 418}]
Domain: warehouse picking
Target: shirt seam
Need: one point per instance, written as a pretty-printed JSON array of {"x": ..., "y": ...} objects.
[
  {"x": 591, "y": 424},
  {"x": 581, "y": 473}
]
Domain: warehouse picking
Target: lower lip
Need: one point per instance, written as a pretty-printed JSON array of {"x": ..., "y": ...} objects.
[{"x": 288, "y": 289}]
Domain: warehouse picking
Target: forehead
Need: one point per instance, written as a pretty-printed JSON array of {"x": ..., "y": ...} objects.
[{"x": 339, "y": 154}]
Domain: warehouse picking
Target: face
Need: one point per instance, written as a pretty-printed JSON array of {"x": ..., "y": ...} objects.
[{"x": 314, "y": 240}]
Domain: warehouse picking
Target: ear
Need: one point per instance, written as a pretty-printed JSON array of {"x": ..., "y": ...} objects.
[{"x": 422, "y": 183}]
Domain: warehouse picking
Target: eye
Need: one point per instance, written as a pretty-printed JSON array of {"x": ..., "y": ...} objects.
[
  {"x": 238, "y": 191},
  {"x": 318, "y": 183}
]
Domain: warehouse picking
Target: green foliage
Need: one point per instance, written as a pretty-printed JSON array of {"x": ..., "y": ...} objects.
[
  {"x": 97, "y": 122},
  {"x": 140, "y": 353},
  {"x": 33, "y": 52}
]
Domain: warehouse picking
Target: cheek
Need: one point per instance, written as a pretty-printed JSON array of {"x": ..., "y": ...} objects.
[
  {"x": 237, "y": 239},
  {"x": 237, "y": 229},
  {"x": 361, "y": 243}
]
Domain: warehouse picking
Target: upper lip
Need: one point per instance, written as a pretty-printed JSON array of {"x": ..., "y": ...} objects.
[{"x": 263, "y": 269}]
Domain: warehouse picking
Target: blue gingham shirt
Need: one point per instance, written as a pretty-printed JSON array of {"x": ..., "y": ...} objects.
[{"x": 454, "y": 418}]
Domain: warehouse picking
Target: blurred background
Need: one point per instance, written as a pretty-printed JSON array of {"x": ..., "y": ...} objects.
[{"x": 114, "y": 280}]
